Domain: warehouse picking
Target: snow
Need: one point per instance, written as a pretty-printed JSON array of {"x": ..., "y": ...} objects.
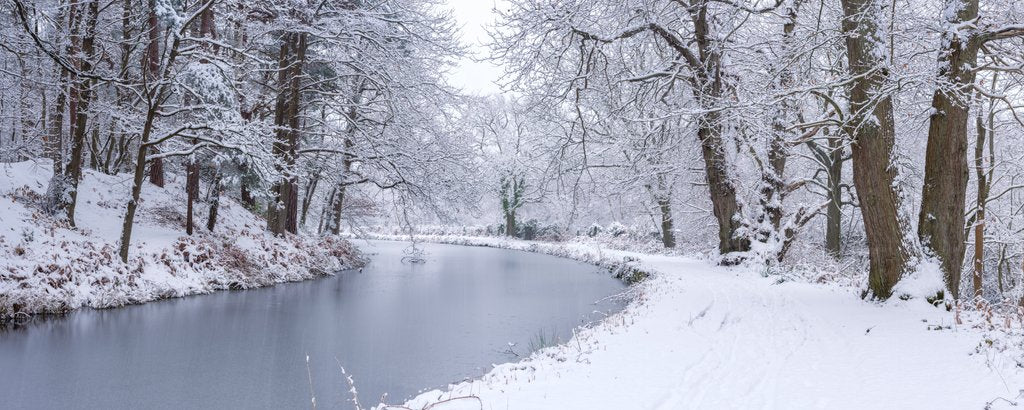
[
  {"x": 48, "y": 267},
  {"x": 924, "y": 282},
  {"x": 700, "y": 336}
]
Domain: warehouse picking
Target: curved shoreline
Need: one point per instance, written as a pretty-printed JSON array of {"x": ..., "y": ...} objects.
[
  {"x": 697, "y": 335},
  {"x": 626, "y": 268},
  {"x": 213, "y": 279}
]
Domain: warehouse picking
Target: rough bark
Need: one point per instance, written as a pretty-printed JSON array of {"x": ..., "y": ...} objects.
[
  {"x": 94, "y": 148},
  {"x": 282, "y": 214},
  {"x": 191, "y": 194},
  {"x": 512, "y": 187},
  {"x": 724, "y": 204},
  {"x": 325, "y": 212},
  {"x": 985, "y": 135},
  {"x": 137, "y": 181},
  {"x": 982, "y": 202},
  {"x": 192, "y": 166},
  {"x": 668, "y": 236},
  {"x": 773, "y": 180},
  {"x": 55, "y": 144},
  {"x": 510, "y": 224},
  {"x": 211, "y": 219},
  {"x": 833, "y": 214},
  {"x": 872, "y": 132},
  {"x": 307, "y": 197},
  {"x": 247, "y": 177},
  {"x": 708, "y": 88},
  {"x": 113, "y": 162},
  {"x": 941, "y": 220},
  {"x": 245, "y": 193},
  {"x": 56, "y": 200},
  {"x": 151, "y": 65},
  {"x": 84, "y": 92},
  {"x": 337, "y": 205}
]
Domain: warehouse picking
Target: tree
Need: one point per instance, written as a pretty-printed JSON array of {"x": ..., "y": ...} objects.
[
  {"x": 282, "y": 215},
  {"x": 697, "y": 63},
  {"x": 77, "y": 64},
  {"x": 941, "y": 220},
  {"x": 872, "y": 132}
]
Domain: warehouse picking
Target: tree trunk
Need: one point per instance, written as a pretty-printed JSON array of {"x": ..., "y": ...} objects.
[
  {"x": 55, "y": 145},
  {"x": 707, "y": 89},
  {"x": 153, "y": 97},
  {"x": 152, "y": 65},
  {"x": 337, "y": 196},
  {"x": 941, "y": 221},
  {"x": 773, "y": 180},
  {"x": 191, "y": 166},
  {"x": 137, "y": 180},
  {"x": 872, "y": 131},
  {"x": 211, "y": 220},
  {"x": 308, "y": 197},
  {"x": 118, "y": 125},
  {"x": 725, "y": 206},
  {"x": 979, "y": 224},
  {"x": 833, "y": 214},
  {"x": 336, "y": 207},
  {"x": 325, "y": 213},
  {"x": 191, "y": 193},
  {"x": 292, "y": 208},
  {"x": 512, "y": 187},
  {"x": 55, "y": 193},
  {"x": 510, "y": 224},
  {"x": 84, "y": 92},
  {"x": 94, "y": 148},
  {"x": 56, "y": 199},
  {"x": 248, "y": 200},
  {"x": 984, "y": 180},
  {"x": 156, "y": 171},
  {"x": 282, "y": 215},
  {"x": 668, "y": 236}
]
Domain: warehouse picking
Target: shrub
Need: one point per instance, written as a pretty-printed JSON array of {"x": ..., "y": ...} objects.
[
  {"x": 529, "y": 230},
  {"x": 617, "y": 229}
]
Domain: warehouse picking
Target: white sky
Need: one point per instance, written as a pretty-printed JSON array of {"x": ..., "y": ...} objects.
[{"x": 475, "y": 76}]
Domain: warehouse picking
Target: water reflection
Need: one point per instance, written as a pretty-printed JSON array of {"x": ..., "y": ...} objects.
[{"x": 396, "y": 327}]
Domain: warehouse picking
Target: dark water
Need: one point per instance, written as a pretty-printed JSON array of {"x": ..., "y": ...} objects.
[{"x": 396, "y": 327}]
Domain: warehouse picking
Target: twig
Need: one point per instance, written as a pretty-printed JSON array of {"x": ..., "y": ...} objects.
[{"x": 310, "y": 375}]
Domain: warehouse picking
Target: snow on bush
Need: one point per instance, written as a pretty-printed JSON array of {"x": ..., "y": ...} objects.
[
  {"x": 617, "y": 236},
  {"x": 49, "y": 267}
]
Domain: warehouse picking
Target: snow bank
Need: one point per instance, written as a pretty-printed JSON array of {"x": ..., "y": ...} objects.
[
  {"x": 48, "y": 267},
  {"x": 924, "y": 283}
]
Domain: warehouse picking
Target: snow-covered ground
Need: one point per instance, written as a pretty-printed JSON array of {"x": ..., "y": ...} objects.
[
  {"x": 699, "y": 336},
  {"x": 47, "y": 267}
]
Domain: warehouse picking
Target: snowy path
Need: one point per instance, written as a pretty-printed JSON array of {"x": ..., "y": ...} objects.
[{"x": 705, "y": 337}]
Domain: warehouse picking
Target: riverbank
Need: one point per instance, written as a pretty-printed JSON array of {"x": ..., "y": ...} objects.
[
  {"x": 699, "y": 336},
  {"x": 51, "y": 267}
]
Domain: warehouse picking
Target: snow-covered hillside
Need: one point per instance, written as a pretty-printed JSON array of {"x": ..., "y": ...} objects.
[
  {"x": 699, "y": 336},
  {"x": 48, "y": 267}
]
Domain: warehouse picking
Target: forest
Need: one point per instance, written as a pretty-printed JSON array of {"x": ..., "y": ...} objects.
[{"x": 161, "y": 148}]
